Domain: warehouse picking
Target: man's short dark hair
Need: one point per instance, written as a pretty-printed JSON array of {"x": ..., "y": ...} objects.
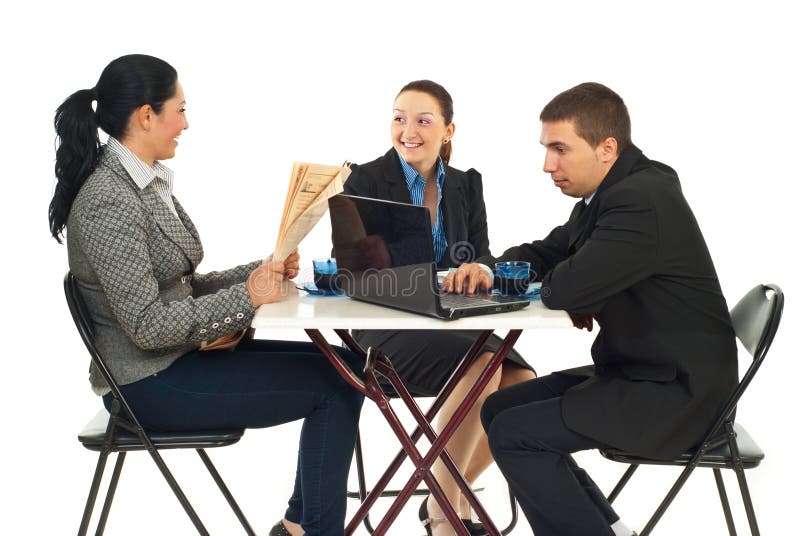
[{"x": 597, "y": 112}]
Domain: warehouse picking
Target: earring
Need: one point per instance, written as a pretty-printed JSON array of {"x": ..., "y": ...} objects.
[{"x": 445, "y": 141}]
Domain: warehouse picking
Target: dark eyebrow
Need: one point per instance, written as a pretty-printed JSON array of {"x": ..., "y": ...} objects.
[
  {"x": 553, "y": 143},
  {"x": 421, "y": 113}
]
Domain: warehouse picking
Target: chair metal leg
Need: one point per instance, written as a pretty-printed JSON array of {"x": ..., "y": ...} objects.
[
  {"x": 361, "y": 494},
  {"x": 93, "y": 489},
  {"x": 748, "y": 502},
  {"x": 112, "y": 489},
  {"x": 622, "y": 481},
  {"x": 739, "y": 470},
  {"x": 723, "y": 498},
  {"x": 362, "y": 479},
  {"x": 676, "y": 487},
  {"x": 226, "y": 492},
  {"x": 513, "y": 522},
  {"x": 173, "y": 484}
]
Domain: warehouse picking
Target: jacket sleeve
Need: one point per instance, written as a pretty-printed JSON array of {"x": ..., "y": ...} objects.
[
  {"x": 112, "y": 232},
  {"x": 212, "y": 282},
  {"x": 543, "y": 254},
  {"x": 621, "y": 251},
  {"x": 358, "y": 183}
]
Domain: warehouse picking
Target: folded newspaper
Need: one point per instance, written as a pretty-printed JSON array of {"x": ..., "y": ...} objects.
[{"x": 310, "y": 187}]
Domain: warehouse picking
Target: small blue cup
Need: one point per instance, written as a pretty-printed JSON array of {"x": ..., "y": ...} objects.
[
  {"x": 512, "y": 277},
  {"x": 325, "y": 272}
]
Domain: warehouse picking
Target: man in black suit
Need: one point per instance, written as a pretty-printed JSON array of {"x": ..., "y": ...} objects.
[{"x": 631, "y": 256}]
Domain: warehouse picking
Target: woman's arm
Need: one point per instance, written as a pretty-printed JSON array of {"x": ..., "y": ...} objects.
[
  {"x": 112, "y": 230},
  {"x": 212, "y": 282}
]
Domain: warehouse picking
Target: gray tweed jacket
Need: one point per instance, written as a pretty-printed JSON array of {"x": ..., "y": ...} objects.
[{"x": 135, "y": 263}]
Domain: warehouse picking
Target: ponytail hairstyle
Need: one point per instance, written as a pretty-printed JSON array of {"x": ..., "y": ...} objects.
[
  {"x": 445, "y": 104},
  {"x": 126, "y": 84}
]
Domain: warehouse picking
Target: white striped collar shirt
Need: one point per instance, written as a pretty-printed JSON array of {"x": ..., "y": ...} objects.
[{"x": 142, "y": 174}]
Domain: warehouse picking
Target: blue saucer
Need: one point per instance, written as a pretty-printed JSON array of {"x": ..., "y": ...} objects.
[
  {"x": 533, "y": 293},
  {"x": 312, "y": 289}
]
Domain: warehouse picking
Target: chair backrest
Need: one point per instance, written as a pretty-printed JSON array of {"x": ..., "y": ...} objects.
[
  {"x": 83, "y": 322},
  {"x": 756, "y": 318}
]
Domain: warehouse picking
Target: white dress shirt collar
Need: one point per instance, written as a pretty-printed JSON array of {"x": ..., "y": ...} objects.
[{"x": 142, "y": 174}]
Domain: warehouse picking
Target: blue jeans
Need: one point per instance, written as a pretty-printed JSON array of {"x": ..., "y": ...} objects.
[{"x": 259, "y": 384}]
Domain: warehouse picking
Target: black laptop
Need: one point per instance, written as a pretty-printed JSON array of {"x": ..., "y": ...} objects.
[{"x": 385, "y": 256}]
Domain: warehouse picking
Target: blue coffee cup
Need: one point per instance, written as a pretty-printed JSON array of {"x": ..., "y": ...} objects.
[
  {"x": 325, "y": 272},
  {"x": 512, "y": 277}
]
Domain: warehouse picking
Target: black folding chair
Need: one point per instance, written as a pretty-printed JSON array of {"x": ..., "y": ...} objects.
[
  {"x": 727, "y": 445},
  {"x": 121, "y": 432}
]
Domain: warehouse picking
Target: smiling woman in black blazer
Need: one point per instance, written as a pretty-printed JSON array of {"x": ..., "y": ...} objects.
[{"x": 416, "y": 171}]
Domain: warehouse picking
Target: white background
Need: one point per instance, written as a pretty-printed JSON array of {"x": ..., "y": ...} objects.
[{"x": 710, "y": 90}]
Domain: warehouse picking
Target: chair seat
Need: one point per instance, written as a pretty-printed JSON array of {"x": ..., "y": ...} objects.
[
  {"x": 93, "y": 437},
  {"x": 720, "y": 456}
]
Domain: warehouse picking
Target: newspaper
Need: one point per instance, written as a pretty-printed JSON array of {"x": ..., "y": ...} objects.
[{"x": 310, "y": 186}]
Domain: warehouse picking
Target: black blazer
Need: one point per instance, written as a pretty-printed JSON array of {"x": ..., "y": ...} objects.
[
  {"x": 665, "y": 356},
  {"x": 463, "y": 208}
]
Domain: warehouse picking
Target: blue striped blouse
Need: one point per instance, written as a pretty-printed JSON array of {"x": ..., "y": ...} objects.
[{"x": 416, "y": 187}]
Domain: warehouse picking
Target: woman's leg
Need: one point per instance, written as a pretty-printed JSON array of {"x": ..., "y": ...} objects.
[
  {"x": 465, "y": 440},
  {"x": 265, "y": 383},
  {"x": 469, "y": 446},
  {"x": 481, "y": 457}
]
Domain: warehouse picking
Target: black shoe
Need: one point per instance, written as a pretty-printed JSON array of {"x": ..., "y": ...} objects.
[
  {"x": 475, "y": 529},
  {"x": 279, "y": 530},
  {"x": 423, "y": 516}
]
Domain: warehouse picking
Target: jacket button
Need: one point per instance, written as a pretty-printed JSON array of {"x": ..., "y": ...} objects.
[
  {"x": 228, "y": 320},
  {"x": 215, "y": 325},
  {"x": 239, "y": 316},
  {"x": 203, "y": 330}
]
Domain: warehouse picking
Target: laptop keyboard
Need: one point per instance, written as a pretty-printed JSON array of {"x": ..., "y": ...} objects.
[{"x": 461, "y": 301}]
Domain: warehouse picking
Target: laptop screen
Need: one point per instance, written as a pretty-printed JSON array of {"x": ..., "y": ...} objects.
[{"x": 376, "y": 234}]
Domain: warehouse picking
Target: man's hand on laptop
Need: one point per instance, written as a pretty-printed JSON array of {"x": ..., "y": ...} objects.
[{"x": 467, "y": 279}]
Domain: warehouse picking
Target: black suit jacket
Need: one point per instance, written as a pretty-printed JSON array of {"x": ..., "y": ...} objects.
[
  {"x": 665, "y": 356},
  {"x": 463, "y": 208}
]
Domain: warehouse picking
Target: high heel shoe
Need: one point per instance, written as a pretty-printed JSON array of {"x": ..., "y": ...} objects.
[
  {"x": 426, "y": 521},
  {"x": 475, "y": 529},
  {"x": 279, "y": 530}
]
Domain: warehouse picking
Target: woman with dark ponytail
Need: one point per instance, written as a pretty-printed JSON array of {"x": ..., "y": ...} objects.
[
  {"x": 416, "y": 170},
  {"x": 76, "y": 156},
  {"x": 171, "y": 336}
]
